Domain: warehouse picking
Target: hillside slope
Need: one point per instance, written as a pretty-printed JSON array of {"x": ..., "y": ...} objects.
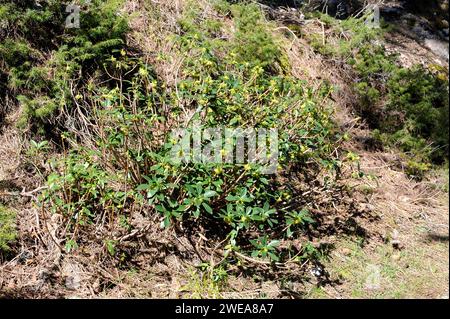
[{"x": 93, "y": 205}]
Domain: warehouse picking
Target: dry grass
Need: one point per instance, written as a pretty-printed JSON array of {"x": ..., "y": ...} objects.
[
  {"x": 410, "y": 214},
  {"x": 408, "y": 247},
  {"x": 413, "y": 215},
  {"x": 10, "y": 149}
]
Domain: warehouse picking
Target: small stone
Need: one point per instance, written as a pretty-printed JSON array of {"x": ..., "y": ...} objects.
[
  {"x": 346, "y": 251},
  {"x": 395, "y": 234},
  {"x": 396, "y": 257},
  {"x": 396, "y": 243},
  {"x": 72, "y": 276},
  {"x": 404, "y": 199},
  {"x": 317, "y": 271},
  {"x": 366, "y": 207},
  {"x": 73, "y": 282}
]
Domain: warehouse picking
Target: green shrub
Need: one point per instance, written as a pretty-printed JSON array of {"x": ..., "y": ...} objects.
[
  {"x": 253, "y": 42},
  {"x": 84, "y": 188},
  {"x": 222, "y": 87},
  {"x": 417, "y": 170},
  {"x": 8, "y": 231},
  {"x": 423, "y": 98},
  {"x": 409, "y": 106},
  {"x": 346, "y": 36},
  {"x": 43, "y": 60}
]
